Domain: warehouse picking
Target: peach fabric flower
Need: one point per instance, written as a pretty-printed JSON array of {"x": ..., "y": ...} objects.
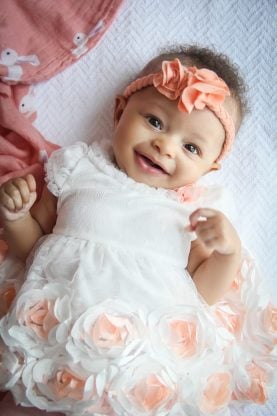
[
  {"x": 149, "y": 393},
  {"x": 172, "y": 80},
  {"x": 197, "y": 88},
  {"x": 204, "y": 88},
  {"x": 230, "y": 319},
  {"x": 41, "y": 318},
  {"x": 183, "y": 338},
  {"x": 181, "y": 335},
  {"x": 110, "y": 331},
  {"x": 66, "y": 384},
  {"x": 189, "y": 193},
  {"x": 216, "y": 393},
  {"x": 143, "y": 387},
  {"x": 270, "y": 319},
  {"x": 257, "y": 389}
]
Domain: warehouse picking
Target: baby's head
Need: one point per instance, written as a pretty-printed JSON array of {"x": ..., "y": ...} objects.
[{"x": 178, "y": 119}]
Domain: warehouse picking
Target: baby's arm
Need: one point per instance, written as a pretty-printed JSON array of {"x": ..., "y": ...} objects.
[
  {"x": 24, "y": 223},
  {"x": 215, "y": 256}
]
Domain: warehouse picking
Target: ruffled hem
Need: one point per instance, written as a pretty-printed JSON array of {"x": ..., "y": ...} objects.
[{"x": 113, "y": 359}]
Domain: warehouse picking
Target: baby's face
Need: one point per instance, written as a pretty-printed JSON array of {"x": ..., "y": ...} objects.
[{"x": 156, "y": 144}]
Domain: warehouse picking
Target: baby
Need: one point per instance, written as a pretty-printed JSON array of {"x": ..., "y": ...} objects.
[{"x": 128, "y": 254}]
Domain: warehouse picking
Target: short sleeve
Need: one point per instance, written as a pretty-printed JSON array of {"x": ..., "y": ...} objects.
[{"x": 61, "y": 164}]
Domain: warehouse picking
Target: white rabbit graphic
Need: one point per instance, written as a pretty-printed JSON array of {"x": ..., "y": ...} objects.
[
  {"x": 10, "y": 58},
  {"x": 80, "y": 39}
]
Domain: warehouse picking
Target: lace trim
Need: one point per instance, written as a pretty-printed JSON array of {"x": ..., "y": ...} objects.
[{"x": 102, "y": 156}]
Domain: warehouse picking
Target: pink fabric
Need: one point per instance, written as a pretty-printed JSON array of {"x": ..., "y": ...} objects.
[
  {"x": 38, "y": 39},
  {"x": 41, "y": 38}
]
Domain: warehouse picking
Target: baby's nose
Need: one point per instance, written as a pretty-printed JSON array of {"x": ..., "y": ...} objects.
[{"x": 165, "y": 147}]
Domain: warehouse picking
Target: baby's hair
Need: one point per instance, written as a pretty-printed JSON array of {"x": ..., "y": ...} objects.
[{"x": 202, "y": 57}]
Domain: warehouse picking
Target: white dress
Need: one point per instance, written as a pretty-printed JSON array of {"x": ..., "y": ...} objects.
[{"x": 108, "y": 320}]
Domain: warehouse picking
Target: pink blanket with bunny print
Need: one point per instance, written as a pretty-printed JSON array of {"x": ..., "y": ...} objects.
[{"x": 38, "y": 40}]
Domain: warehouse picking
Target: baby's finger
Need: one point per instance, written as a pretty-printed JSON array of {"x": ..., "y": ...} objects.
[
  {"x": 205, "y": 232},
  {"x": 6, "y": 201},
  {"x": 201, "y": 212},
  {"x": 22, "y": 186},
  {"x": 13, "y": 192},
  {"x": 30, "y": 179}
]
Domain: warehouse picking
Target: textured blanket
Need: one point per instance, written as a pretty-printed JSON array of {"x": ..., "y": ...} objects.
[{"x": 77, "y": 103}]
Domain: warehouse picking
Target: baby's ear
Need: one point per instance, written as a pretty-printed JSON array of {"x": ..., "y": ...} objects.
[
  {"x": 120, "y": 104},
  {"x": 214, "y": 166}
]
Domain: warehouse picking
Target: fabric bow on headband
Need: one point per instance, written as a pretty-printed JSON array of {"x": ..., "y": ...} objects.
[{"x": 195, "y": 88}]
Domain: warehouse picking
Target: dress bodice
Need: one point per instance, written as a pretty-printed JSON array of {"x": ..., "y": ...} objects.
[{"x": 101, "y": 204}]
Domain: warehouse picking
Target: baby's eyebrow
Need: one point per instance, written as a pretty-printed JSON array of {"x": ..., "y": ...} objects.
[{"x": 198, "y": 137}]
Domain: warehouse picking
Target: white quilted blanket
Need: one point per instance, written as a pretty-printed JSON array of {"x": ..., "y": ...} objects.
[{"x": 77, "y": 104}]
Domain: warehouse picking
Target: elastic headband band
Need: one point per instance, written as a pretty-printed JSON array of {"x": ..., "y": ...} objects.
[{"x": 197, "y": 88}]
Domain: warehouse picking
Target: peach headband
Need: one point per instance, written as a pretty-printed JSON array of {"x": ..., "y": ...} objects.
[{"x": 197, "y": 88}]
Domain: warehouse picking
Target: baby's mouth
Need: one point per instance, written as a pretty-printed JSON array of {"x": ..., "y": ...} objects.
[{"x": 149, "y": 165}]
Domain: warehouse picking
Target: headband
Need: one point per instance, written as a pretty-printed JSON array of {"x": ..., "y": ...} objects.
[{"x": 195, "y": 88}]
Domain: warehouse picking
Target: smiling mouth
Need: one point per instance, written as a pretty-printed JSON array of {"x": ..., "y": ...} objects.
[{"x": 149, "y": 166}]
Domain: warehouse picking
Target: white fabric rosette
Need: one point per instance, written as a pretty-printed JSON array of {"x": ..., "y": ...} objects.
[
  {"x": 209, "y": 391},
  {"x": 259, "y": 335},
  {"x": 104, "y": 332},
  {"x": 55, "y": 385},
  {"x": 254, "y": 379},
  {"x": 182, "y": 336},
  {"x": 11, "y": 364},
  {"x": 144, "y": 387},
  {"x": 40, "y": 319}
]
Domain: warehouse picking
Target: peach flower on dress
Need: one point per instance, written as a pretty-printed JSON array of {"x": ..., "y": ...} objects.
[
  {"x": 254, "y": 389},
  {"x": 172, "y": 80},
  {"x": 103, "y": 332},
  {"x": 40, "y": 318},
  {"x": 229, "y": 318},
  {"x": 143, "y": 387},
  {"x": 67, "y": 384},
  {"x": 181, "y": 336},
  {"x": 54, "y": 384},
  {"x": 270, "y": 320},
  {"x": 189, "y": 193},
  {"x": 216, "y": 393}
]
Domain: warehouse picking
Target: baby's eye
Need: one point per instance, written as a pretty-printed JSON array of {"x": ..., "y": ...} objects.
[
  {"x": 155, "y": 122},
  {"x": 192, "y": 148}
]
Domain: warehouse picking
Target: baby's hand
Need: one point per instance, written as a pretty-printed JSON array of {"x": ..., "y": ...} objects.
[
  {"x": 215, "y": 231},
  {"x": 17, "y": 197}
]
